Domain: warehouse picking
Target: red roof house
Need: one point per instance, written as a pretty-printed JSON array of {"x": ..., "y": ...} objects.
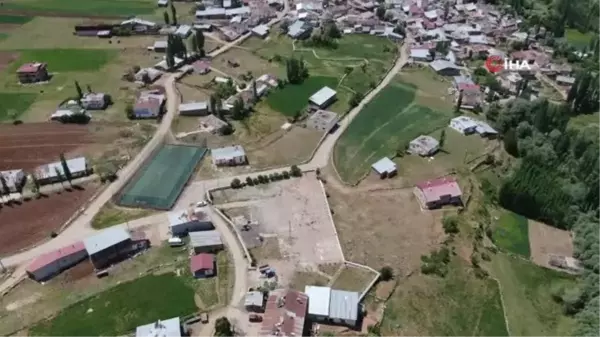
[
  {"x": 33, "y": 72},
  {"x": 438, "y": 192},
  {"x": 202, "y": 265},
  {"x": 285, "y": 314},
  {"x": 48, "y": 265}
]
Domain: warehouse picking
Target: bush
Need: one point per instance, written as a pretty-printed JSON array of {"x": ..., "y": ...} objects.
[
  {"x": 450, "y": 224},
  {"x": 255, "y": 181},
  {"x": 78, "y": 118},
  {"x": 485, "y": 256},
  {"x": 295, "y": 171},
  {"x": 285, "y": 175},
  {"x": 436, "y": 263},
  {"x": 386, "y": 273},
  {"x": 236, "y": 183},
  {"x": 271, "y": 177},
  {"x": 17, "y": 122},
  {"x": 262, "y": 179},
  {"x": 249, "y": 181}
]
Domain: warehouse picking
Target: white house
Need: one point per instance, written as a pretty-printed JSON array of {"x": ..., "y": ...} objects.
[
  {"x": 94, "y": 101},
  {"x": 228, "y": 156},
  {"x": 463, "y": 124},
  {"x": 15, "y": 179},
  {"x": 318, "y": 302},
  {"x": 423, "y": 146},
  {"x": 323, "y": 97},
  {"x": 385, "y": 167}
]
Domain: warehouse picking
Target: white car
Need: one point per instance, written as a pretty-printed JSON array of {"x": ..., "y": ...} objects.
[{"x": 201, "y": 203}]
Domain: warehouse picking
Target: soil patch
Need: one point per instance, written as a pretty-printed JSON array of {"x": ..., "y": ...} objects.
[
  {"x": 544, "y": 240},
  {"x": 6, "y": 57},
  {"x": 24, "y": 225}
]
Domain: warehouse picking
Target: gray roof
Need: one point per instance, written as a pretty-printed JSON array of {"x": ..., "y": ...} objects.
[
  {"x": 12, "y": 177},
  {"x": 565, "y": 79},
  {"x": 254, "y": 298},
  {"x": 296, "y": 28},
  {"x": 228, "y": 152},
  {"x": 484, "y": 128},
  {"x": 425, "y": 142},
  {"x": 205, "y": 238},
  {"x": 237, "y": 11},
  {"x": 343, "y": 305},
  {"x": 420, "y": 53},
  {"x": 105, "y": 239},
  {"x": 458, "y": 80},
  {"x": 385, "y": 164},
  {"x": 47, "y": 171},
  {"x": 322, "y": 96},
  {"x": 184, "y": 30},
  {"x": 211, "y": 12},
  {"x": 168, "y": 328},
  {"x": 261, "y": 30},
  {"x": 318, "y": 300},
  {"x": 160, "y": 44},
  {"x": 193, "y": 106},
  {"x": 438, "y": 65}
]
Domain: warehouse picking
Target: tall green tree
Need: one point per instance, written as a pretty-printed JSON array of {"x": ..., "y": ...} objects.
[
  {"x": 66, "y": 169},
  {"x": 173, "y": 13},
  {"x": 442, "y": 140},
  {"x": 199, "y": 37},
  {"x": 36, "y": 184},
  {"x": 458, "y": 103},
  {"x": 238, "y": 111},
  {"x": 223, "y": 327},
  {"x": 166, "y": 18},
  {"x": 170, "y": 53},
  {"x": 79, "y": 91},
  {"x": 254, "y": 91}
]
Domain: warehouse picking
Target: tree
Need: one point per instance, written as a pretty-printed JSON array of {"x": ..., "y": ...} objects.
[
  {"x": 510, "y": 143},
  {"x": 166, "y": 18},
  {"x": 36, "y": 184},
  {"x": 66, "y": 169},
  {"x": 450, "y": 224},
  {"x": 173, "y": 13},
  {"x": 442, "y": 138},
  {"x": 238, "y": 111},
  {"x": 249, "y": 181},
  {"x": 59, "y": 175},
  {"x": 89, "y": 89},
  {"x": 446, "y": 9},
  {"x": 169, "y": 54},
  {"x": 79, "y": 91},
  {"x": 295, "y": 171},
  {"x": 458, "y": 103},
  {"x": 236, "y": 183},
  {"x": 199, "y": 37},
  {"x": 129, "y": 111},
  {"x": 254, "y": 91},
  {"x": 5, "y": 190},
  {"x": 296, "y": 70},
  {"x": 387, "y": 273},
  {"x": 223, "y": 327},
  {"x": 380, "y": 12},
  {"x": 355, "y": 99}
]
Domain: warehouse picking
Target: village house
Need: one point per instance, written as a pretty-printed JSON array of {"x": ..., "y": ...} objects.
[
  {"x": 472, "y": 97},
  {"x": 147, "y": 74},
  {"x": 385, "y": 168},
  {"x": 299, "y": 30},
  {"x": 139, "y": 26},
  {"x": 438, "y": 192},
  {"x": 322, "y": 120},
  {"x": 463, "y": 124},
  {"x": 95, "y": 101},
  {"x": 50, "y": 264},
  {"x": 422, "y": 55},
  {"x": 254, "y": 301},
  {"x": 445, "y": 68},
  {"x": 182, "y": 222},
  {"x": 485, "y": 130},
  {"x": 423, "y": 146},
  {"x": 229, "y": 156},
  {"x": 285, "y": 314},
  {"x": 211, "y": 124},
  {"x": 206, "y": 241},
  {"x": 193, "y": 109},
  {"x": 149, "y": 105},
  {"x": 184, "y": 31},
  {"x": 14, "y": 179},
  {"x": 169, "y": 327},
  {"x": 113, "y": 245},
  {"x": 159, "y": 46},
  {"x": 261, "y": 31},
  {"x": 53, "y": 172},
  {"x": 510, "y": 81},
  {"x": 202, "y": 265},
  {"x": 33, "y": 72},
  {"x": 323, "y": 98},
  {"x": 565, "y": 81}
]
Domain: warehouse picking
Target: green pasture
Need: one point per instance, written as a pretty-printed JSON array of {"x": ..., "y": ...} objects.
[
  {"x": 294, "y": 97},
  {"x": 385, "y": 124},
  {"x": 512, "y": 234},
  {"x": 15, "y": 19},
  {"x": 118, "y": 311},
  {"x": 12, "y": 105},
  {"x": 65, "y": 60},
  {"x": 120, "y": 8},
  {"x": 578, "y": 39}
]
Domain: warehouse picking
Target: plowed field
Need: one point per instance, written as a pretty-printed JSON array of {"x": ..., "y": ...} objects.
[
  {"x": 26, "y": 146},
  {"x": 24, "y": 225}
]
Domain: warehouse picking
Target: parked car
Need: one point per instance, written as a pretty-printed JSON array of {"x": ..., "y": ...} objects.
[
  {"x": 204, "y": 317},
  {"x": 255, "y": 318}
]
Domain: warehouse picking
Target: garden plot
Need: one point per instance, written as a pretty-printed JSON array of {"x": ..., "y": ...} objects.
[
  {"x": 544, "y": 240},
  {"x": 296, "y": 212}
]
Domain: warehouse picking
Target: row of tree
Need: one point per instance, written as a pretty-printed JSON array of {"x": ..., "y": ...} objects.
[{"x": 176, "y": 47}]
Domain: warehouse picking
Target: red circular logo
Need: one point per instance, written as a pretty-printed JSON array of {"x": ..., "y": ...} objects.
[{"x": 494, "y": 64}]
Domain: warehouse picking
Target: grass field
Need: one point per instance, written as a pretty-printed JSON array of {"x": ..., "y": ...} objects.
[
  {"x": 293, "y": 98},
  {"x": 302, "y": 279},
  {"x": 121, "y": 309},
  {"x": 84, "y": 7},
  {"x": 111, "y": 215},
  {"x": 526, "y": 289},
  {"x": 458, "y": 305},
  {"x": 65, "y": 60},
  {"x": 14, "y": 104},
  {"x": 577, "y": 38},
  {"x": 512, "y": 233},
  {"x": 160, "y": 182},
  {"x": 386, "y": 123},
  {"x": 353, "y": 279},
  {"x": 14, "y": 19}
]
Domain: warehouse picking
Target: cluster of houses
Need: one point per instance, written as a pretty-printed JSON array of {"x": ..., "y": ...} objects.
[
  {"x": 102, "y": 249},
  {"x": 45, "y": 174}
]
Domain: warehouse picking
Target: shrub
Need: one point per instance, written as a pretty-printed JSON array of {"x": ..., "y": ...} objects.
[
  {"x": 295, "y": 171},
  {"x": 277, "y": 176},
  {"x": 255, "y": 181},
  {"x": 249, "y": 181},
  {"x": 285, "y": 174},
  {"x": 436, "y": 263},
  {"x": 450, "y": 224},
  {"x": 485, "y": 256},
  {"x": 272, "y": 177},
  {"x": 386, "y": 273},
  {"x": 17, "y": 122},
  {"x": 236, "y": 183}
]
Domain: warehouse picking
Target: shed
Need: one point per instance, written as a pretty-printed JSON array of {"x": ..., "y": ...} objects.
[
  {"x": 385, "y": 167},
  {"x": 228, "y": 156},
  {"x": 565, "y": 80},
  {"x": 160, "y": 46},
  {"x": 343, "y": 307},
  {"x": 463, "y": 124},
  {"x": 299, "y": 29},
  {"x": 15, "y": 179},
  {"x": 47, "y": 174},
  {"x": 485, "y": 130},
  {"x": 419, "y": 54},
  {"x": 423, "y": 146},
  {"x": 254, "y": 301},
  {"x": 318, "y": 302},
  {"x": 261, "y": 31},
  {"x": 193, "y": 109},
  {"x": 206, "y": 241},
  {"x": 49, "y": 264},
  {"x": 170, "y": 327},
  {"x": 323, "y": 97},
  {"x": 202, "y": 265},
  {"x": 181, "y": 222}
]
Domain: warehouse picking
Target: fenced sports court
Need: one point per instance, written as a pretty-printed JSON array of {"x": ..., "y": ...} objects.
[{"x": 161, "y": 180}]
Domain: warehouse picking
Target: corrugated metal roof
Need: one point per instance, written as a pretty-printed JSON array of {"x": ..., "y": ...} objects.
[
  {"x": 50, "y": 257},
  {"x": 205, "y": 238},
  {"x": 227, "y": 153},
  {"x": 318, "y": 300},
  {"x": 75, "y": 165},
  {"x": 168, "y": 328},
  {"x": 13, "y": 177},
  {"x": 202, "y": 261},
  {"x": 254, "y": 298},
  {"x": 322, "y": 96},
  {"x": 343, "y": 305},
  {"x": 193, "y": 106},
  {"x": 105, "y": 239},
  {"x": 384, "y": 164}
]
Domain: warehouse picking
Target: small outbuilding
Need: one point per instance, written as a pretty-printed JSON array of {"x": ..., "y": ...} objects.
[
  {"x": 323, "y": 97},
  {"x": 181, "y": 222},
  {"x": 206, "y": 241},
  {"x": 385, "y": 167},
  {"x": 343, "y": 307},
  {"x": 318, "y": 302},
  {"x": 52, "y": 263},
  {"x": 229, "y": 156},
  {"x": 423, "y": 146},
  {"x": 193, "y": 109},
  {"x": 463, "y": 124},
  {"x": 202, "y": 265},
  {"x": 254, "y": 301}
]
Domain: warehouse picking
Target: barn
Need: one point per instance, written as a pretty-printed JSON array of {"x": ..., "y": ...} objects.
[
  {"x": 202, "y": 265},
  {"x": 206, "y": 241},
  {"x": 113, "y": 245},
  {"x": 48, "y": 265},
  {"x": 184, "y": 221}
]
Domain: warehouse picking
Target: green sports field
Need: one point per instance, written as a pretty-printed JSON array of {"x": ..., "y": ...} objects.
[
  {"x": 512, "y": 234},
  {"x": 159, "y": 183},
  {"x": 386, "y": 123},
  {"x": 118, "y": 311}
]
